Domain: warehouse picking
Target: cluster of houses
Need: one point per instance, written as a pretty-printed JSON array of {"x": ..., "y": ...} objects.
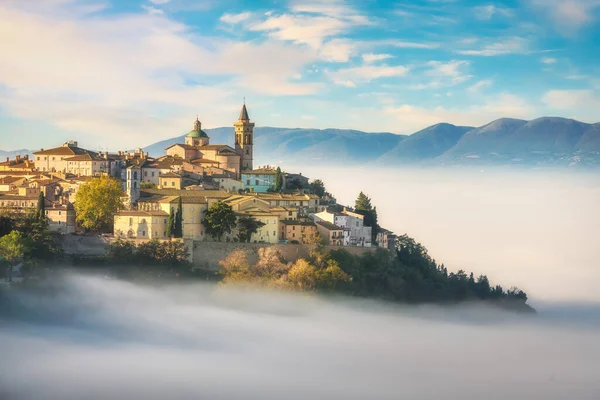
[{"x": 197, "y": 172}]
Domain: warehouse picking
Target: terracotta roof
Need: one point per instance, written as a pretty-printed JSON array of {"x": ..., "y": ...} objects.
[
  {"x": 62, "y": 151},
  {"x": 9, "y": 179},
  {"x": 170, "y": 175},
  {"x": 329, "y": 226},
  {"x": 134, "y": 213},
  {"x": 185, "y": 146},
  {"x": 203, "y": 161},
  {"x": 85, "y": 157},
  {"x": 296, "y": 222},
  {"x": 261, "y": 171},
  {"x": 208, "y": 193}
]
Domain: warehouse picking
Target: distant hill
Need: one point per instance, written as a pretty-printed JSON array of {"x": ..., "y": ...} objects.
[
  {"x": 426, "y": 144},
  {"x": 539, "y": 142},
  {"x": 12, "y": 153}
]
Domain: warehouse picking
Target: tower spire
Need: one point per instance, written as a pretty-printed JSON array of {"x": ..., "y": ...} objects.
[{"x": 244, "y": 113}]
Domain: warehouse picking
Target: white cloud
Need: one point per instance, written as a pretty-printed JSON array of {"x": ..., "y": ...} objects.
[
  {"x": 366, "y": 73},
  {"x": 152, "y": 10},
  {"x": 444, "y": 74},
  {"x": 584, "y": 104},
  {"x": 102, "y": 75},
  {"x": 489, "y": 11},
  {"x": 370, "y": 57},
  {"x": 311, "y": 23},
  {"x": 478, "y": 86},
  {"x": 235, "y": 18},
  {"x": 512, "y": 45},
  {"x": 337, "y": 50},
  {"x": 159, "y": 2},
  {"x": 415, "y": 118},
  {"x": 409, "y": 45},
  {"x": 548, "y": 60},
  {"x": 568, "y": 16}
]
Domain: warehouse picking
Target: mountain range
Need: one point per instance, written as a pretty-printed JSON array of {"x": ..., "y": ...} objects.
[
  {"x": 506, "y": 141},
  {"x": 547, "y": 141}
]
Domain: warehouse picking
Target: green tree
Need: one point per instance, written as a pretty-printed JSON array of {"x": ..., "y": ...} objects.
[
  {"x": 219, "y": 220},
  {"x": 317, "y": 187},
  {"x": 278, "y": 180},
  {"x": 247, "y": 226},
  {"x": 13, "y": 247},
  {"x": 171, "y": 223},
  {"x": 96, "y": 203},
  {"x": 363, "y": 206},
  {"x": 40, "y": 214},
  {"x": 178, "y": 228},
  {"x": 121, "y": 251}
]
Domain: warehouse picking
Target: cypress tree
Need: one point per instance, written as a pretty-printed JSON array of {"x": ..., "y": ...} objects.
[
  {"x": 171, "y": 224},
  {"x": 178, "y": 231},
  {"x": 40, "y": 214},
  {"x": 278, "y": 180}
]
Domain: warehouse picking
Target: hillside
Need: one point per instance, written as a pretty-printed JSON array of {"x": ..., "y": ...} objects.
[{"x": 547, "y": 141}]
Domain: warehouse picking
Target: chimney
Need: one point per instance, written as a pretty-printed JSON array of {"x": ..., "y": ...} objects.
[
  {"x": 7, "y": 159},
  {"x": 26, "y": 157},
  {"x": 18, "y": 157}
]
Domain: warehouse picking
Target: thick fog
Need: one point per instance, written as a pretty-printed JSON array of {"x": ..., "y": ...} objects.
[
  {"x": 537, "y": 229},
  {"x": 105, "y": 339},
  {"x": 97, "y": 338}
]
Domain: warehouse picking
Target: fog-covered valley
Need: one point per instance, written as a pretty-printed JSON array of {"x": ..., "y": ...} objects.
[{"x": 97, "y": 338}]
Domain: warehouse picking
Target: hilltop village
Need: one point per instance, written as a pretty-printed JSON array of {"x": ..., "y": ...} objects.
[{"x": 187, "y": 180}]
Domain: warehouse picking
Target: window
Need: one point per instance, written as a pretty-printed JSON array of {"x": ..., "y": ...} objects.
[
  {"x": 145, "y": 173},
  {"x": 143, "y": 233},
  {"x": 165, "y": 233},
  {"x": 256, "y": 182},
  {"x": 293, "y": 235},
  {"x": 135, "y": 175},
  {"x": 153, "y": 174},
  {"x": 165, "y": 221},
  {"x": 274, "y": 233},
  {"x": 130, "y": 221},
  {"x": 60, "y": 213},
  {"x": 173, "y": 183},
  {"x": 248, "y": 182}
]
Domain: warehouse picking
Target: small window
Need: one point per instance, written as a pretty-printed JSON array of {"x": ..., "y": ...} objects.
[
  {"x": 248, "y": 182},
  {"x": 173, "y": 183},
  {"x": 256, "y": 182},
  {"x": 130, "y": 221},
  {"x": 145, "y": 173},
  {"x": 153, "y": 174},
  {"x": 165, "y": 233},
  {"x": 274, "y": 233},
  {"x": 143, "y": 233}
]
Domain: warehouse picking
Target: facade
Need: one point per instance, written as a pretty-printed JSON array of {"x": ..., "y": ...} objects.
[
  {"x": 198, "y": 151},
  {"x": 332, "y": 234},
  {"x": 141, "y": 224},
  {"x": 303, "y": 232},
  {"x": 260, "y": 180},
  {"x": 61, "y": 218},
  {"x": 18, "y": 164},
  {"x": 303, "y": 203},
  {"x": 386, "y": 239},
  {"x": 170, "y": 180},
  {"x": 133, "y": 183},
  {"x": 355, "y": 231},
  {"x": 268, "y": 232},
  {"x": 227, "y": 183},
  {"x": 69, "y": 157}
]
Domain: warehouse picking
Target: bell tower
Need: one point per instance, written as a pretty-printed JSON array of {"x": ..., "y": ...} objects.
[{"x": 244, "y": 139}]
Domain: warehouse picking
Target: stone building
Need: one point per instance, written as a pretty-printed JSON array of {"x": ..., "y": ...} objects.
[{"x": 198, "y": 150}]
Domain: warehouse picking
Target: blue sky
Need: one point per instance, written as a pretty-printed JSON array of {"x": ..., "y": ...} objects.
[{"x": 128, "y": 73}]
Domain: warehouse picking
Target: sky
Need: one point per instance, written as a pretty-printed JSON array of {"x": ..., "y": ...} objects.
[{"x": 125, "y": 73}]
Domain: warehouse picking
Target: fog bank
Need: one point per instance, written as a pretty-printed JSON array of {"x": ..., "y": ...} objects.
[
  {"x": 535, "y": 229},
  {"x": 105, "y": 339}
]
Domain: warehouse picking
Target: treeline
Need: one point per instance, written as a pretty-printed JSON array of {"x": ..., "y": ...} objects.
[
  {"x": 25, "y": 238},
  {"x": 169, "y": 253},
  {"x": 407, "y": 275}
]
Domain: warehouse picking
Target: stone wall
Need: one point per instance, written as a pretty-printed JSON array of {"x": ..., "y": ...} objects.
[{"x": 206, "y": 255}]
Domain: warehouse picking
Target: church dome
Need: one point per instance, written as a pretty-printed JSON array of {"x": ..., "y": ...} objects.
[{"x": 197, "y": 132}]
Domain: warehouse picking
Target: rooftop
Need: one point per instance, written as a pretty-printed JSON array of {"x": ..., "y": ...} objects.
[{"x": 329, "y": 226}]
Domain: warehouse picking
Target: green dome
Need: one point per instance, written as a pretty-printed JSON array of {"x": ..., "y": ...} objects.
[{"x": 197, "y": 134}]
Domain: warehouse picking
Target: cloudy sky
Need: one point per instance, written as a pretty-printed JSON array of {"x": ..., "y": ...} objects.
[{"x": 131, "y": 72}]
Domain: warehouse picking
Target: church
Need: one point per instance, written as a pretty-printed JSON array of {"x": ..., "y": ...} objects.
[{"x": 198, "y": 151}]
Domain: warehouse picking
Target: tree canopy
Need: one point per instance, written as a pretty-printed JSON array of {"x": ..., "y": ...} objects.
[
  {"x": 278, "y": 180},
  {"x": 247, "y": 226},
  {"x": 178, "y": 225},
  {"x": 364, "y": 207},
  {"x": 219, "y": 220},
  {"x": 96, "y": 203}
]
